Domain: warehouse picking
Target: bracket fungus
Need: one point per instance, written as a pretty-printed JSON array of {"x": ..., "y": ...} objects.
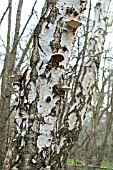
[
  {"x": 15, "y": 78},
  {"x": 67, "y": 69},
  {"x": 74, "y": 23},
  {"x": 83, "y": 1},
  {"x": 58, "y": 57},
  {"x": 67, "y": 28},
  {"x": 16, "y": 83},
  {"x": 66, "y": 88}
]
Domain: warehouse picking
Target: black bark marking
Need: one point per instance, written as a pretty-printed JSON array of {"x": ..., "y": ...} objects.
[
  {"x": 48, "y": 99},
  {"x": 64, "y": 49},
  {"x": 43, "y": 75},
  {"x": 58, "y": 91}
]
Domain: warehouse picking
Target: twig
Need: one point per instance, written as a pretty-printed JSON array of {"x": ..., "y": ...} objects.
[{"x": 4, "y": 15}]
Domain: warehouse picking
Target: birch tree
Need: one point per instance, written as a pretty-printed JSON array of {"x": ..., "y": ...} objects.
[
  {"x": 103, "y": 19},
  {"x": 44, "y": 131},
  {"x": 101, "y": 108},
  {"x": 9, "y": 67}
]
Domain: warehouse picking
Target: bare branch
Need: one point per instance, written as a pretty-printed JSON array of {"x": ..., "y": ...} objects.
[
  {"x": 24, "y": 53},
  {"x": 2, "y": 18},
  {"x": 17, "y": 39}
]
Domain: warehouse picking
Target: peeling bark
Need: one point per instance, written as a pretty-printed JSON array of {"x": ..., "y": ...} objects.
[{"x": 44, "y": 135}]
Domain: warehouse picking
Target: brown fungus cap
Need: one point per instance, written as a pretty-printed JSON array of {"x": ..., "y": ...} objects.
[
  {"x": 74, "y": 23},
  {"x": 58, "y": 57}
]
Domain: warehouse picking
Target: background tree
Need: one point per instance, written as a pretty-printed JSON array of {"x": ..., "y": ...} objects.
[
  {"x": 14, "y": 57},
  {"x": 97, "y": 132}
]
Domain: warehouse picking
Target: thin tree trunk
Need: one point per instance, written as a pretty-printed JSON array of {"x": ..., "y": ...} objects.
[
  {"x": 5, "y": 93},
  {"x": 16, "y": 37}
]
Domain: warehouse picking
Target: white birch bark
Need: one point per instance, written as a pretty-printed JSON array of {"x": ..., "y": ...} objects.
[
  {"x": 96, "y": 48},
  {"x": 102, "y": 20},
  {"x": 44, "y": 136}
]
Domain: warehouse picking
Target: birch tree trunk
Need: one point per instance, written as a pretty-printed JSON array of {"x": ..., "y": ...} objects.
[
  {"x": 102, "y": 21},
  {"x": 8, "y": 68},
  {"x": 43, "y": 135}
]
